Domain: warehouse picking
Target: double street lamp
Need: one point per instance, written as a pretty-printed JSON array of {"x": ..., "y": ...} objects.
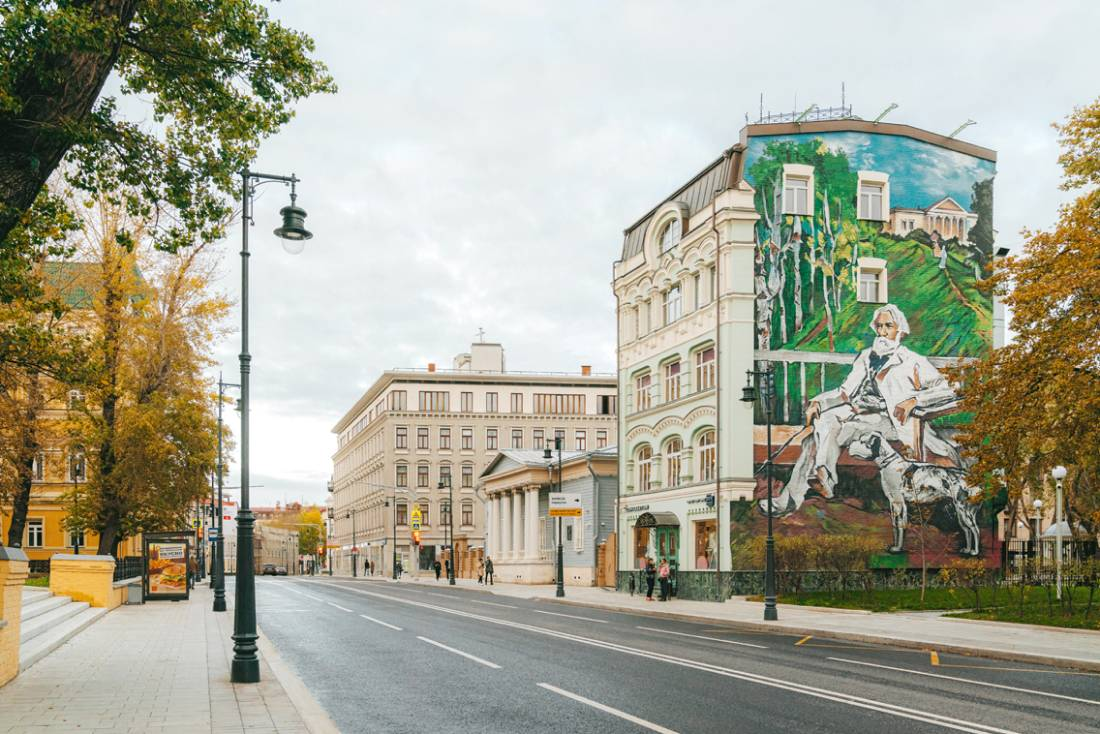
[
  {"x": 766, "y": 378},
  {"x": 546, "y": 454},
  {"x": 245, "y": 667}
]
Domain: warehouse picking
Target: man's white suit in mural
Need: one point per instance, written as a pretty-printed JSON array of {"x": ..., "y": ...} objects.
[{"x": 887, "y": 383}]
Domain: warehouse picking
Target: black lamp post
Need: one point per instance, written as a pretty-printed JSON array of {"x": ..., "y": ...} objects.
[
  {"x": 560, "y": 590},
  {"x": 218, "y": 548},
  {"x": 748, "y": 395},
  {"x": 450, "y": 527},
  {"x": 328, "y": 551},
  {"x": 245, "y": 667},
  {"x": 354, "y": 544}
]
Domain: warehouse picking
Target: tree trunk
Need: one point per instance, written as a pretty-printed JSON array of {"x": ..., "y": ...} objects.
[
  {"x": 28, "y": 449},
  {"x": 110, "y": 519},
  {"x": 57, "y": 89}
]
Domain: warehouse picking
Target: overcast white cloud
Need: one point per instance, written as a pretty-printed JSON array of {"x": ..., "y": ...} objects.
[{"x": 481, "y": 160}]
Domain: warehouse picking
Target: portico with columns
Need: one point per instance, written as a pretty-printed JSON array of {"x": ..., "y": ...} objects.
[{"x": 522, "y": 538}]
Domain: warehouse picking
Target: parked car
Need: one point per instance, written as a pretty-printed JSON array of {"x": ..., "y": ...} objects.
[
  {"x": 280, "y": 570},
  {"x": 269, "y": 569}
]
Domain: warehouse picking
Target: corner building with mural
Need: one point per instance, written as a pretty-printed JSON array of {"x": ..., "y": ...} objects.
[{"x": 849, "y": 260}]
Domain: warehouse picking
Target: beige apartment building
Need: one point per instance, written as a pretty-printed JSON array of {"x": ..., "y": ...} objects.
[{"x": 415, "y": 430}]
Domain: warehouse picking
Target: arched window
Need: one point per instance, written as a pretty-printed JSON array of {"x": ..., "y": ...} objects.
[
  {"x": 707, "y": 457},
  {"x": 673, "y": 449},
  {"x": 670, "y": 235},
  {"x": 644, "y": 462}
]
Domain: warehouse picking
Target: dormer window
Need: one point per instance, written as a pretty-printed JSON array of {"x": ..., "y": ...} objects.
[
  {"x": 670, "y": 235},
  {"x": 798, "y": 187},
  {"x": 874, "y": 196}
]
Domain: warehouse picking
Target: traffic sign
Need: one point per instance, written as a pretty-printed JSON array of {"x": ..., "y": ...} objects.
[
  {"x": 565, "y": 504},
  {"x": 416, "y": 517}
]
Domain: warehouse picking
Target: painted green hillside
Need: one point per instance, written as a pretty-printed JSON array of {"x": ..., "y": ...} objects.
[{"x": 947, "y": 311}]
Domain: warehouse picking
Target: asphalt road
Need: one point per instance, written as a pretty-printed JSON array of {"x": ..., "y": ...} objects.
[{"x": 384, "y": 657}]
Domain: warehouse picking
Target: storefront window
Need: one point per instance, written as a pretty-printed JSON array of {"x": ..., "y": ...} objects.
[
  {"x": 641, "y": 546},
  {"x": 706, "y": 543}
]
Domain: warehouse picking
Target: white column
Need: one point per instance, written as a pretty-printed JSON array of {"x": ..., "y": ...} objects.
[
  {"x": 505, "y": 525},
  {"x": 532, "y": 508},
  {"x": 517, "y": 523}
]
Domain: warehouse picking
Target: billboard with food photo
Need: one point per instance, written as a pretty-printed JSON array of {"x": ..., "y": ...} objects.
[{"x": 166, "y": 556}]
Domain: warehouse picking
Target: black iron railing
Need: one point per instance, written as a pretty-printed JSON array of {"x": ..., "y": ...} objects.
[
  {"x": 128, "y": 568},
  {"x": 1031, "y": 557},
  {"x": 41, "y": 566}
]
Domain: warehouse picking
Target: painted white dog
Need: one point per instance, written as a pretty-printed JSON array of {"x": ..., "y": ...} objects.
[{"x": 905, "y": 481}]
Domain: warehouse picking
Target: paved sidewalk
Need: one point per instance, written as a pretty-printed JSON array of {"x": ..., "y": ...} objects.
[
  {"x": 1005, "y": 641},
  {"x": 158, "y": 668}
]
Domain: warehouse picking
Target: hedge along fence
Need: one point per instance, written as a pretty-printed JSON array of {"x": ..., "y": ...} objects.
[{"x": 828, "y": 562}]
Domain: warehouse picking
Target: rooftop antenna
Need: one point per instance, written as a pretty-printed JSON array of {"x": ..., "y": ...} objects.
[
  {"x": 480, "y": 335},
  {"x": 761, "y": 106},
  {"x": 842, "y": 96},
  {"x": 893, "y": 106},
  {"x": 962, "y": 127}
]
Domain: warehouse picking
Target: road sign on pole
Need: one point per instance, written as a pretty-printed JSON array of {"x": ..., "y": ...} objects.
[
  {"x": 416, "y": 518},
  {"x": 565, "y": 504}
]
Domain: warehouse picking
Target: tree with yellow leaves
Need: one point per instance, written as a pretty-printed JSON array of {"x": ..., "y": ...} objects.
[
  {"x": 149, "y": 420},
  {"x": 1036, "y": 401}
]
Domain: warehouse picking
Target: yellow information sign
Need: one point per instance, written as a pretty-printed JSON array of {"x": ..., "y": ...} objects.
[
  {"x": 416, "y": 517},
  {"x": 565, "y": 505}
]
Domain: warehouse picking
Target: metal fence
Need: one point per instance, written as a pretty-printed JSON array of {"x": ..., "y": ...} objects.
[
  {"x": 42, "y": 566},
  {"x": 1035, "y": 558},
  {"x": 128, "y": 568}
]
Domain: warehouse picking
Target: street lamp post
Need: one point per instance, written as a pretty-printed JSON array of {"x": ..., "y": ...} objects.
[
  {"x": 450, "y": 528},
  {"x": 354, "y": 544},
  {"x": 1059, "y": 473},
  {"x": 328, "y": 549},
  {"x": 218, "y": 548},
  {"x": 245, "y": 667},
  {"x": 560, "y": 590},
  {"x": 748, "y": 395}
]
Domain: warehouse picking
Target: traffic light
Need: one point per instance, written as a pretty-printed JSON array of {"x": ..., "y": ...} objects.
[{"x": 416, "y": 536}]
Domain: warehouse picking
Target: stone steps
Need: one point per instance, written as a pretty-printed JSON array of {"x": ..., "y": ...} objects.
[{"x": 47, "y": 622}]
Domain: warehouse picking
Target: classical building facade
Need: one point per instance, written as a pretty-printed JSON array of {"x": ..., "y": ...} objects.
[
  {"x": 523, "y": 537},
  {"x": 809, "y": 252},
  {"x": 415, "y": 430}
]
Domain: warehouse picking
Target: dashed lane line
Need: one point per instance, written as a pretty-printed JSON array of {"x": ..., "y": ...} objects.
[
  {"x": 456, "y": 651},
  {"x": 968, "y": 680},
  {"x": 571, "y": 616},
  {"x": 608, "y": 709},
  {"x": 703, "y": 637},
  {"x": 836, "y": 696},
  {"x": 379, "y": 621},
  {"x": 342, "y": 609}
]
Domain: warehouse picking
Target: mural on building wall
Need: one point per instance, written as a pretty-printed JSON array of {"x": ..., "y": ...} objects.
[{"x": 861, "y": 301}]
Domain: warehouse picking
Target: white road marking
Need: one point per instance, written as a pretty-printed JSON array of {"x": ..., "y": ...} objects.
[
  {"x": 703, "y": 637},
  {"x": 822, "y": 693},
  {"x": 968, "y": 680},
  {"x": 309, "y": 596},
  {"x": 379, "y": 621},
  {"x": 571, "y": 616},
  {"x": 454, "y": 597},
  {"x": 608, "y": 709},
  {"x": 261, "y": 610},
  {"x": 342, "y": 609},
  {"x": 467, "y": 655},
  {"x": 493, "y": 604}
]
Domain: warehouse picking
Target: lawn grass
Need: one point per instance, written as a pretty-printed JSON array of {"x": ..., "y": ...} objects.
[
  {"x": 1002, "y": 604},
  {"x": 43, "y": 581}
]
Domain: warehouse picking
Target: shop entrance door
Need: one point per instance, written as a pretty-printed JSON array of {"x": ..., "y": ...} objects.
[{"x": 668, "y": 544}]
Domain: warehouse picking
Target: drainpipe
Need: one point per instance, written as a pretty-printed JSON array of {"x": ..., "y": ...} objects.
[
  {"x": 717, "y": 385},
  {"x": 595, "y": 516},
  {"x": 618, "y": 427}
]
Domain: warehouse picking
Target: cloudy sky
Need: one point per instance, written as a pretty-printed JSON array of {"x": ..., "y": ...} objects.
[{"x": 481, "y": 159}]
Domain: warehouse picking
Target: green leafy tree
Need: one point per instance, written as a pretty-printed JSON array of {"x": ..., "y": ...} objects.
[
  {"x": 311, "y": 531},
  {"x": 219, "y": 76}
]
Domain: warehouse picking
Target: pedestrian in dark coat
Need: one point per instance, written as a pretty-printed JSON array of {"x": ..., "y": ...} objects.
[
  {"x": 650, "y": 578},
  {"x": 489, "y": 571},
  {"x": 438, "y": 569}
]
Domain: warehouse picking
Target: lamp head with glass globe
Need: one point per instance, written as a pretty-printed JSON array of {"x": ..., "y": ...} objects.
[{"x": 293, "y": 233}]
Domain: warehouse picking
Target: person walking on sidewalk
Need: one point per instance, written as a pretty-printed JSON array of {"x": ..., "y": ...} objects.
[
  {"x": 192, "y": 571},
  {"x": 489, "y": 571},
  {"x": 650, "y": 578},
  {"x": 480, "y": 571},
  {"x": 663, "y": 573},
  {"x": 438, "y": 568}
]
